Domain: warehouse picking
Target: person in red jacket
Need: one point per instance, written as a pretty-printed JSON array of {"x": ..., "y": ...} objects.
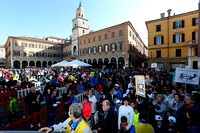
[
  {"x": 100, "y": 88},
  {"x": 87, "y": 108}
]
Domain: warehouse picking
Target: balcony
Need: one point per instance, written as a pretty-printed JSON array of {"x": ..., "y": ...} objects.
[{"x": 193, "y": 43}]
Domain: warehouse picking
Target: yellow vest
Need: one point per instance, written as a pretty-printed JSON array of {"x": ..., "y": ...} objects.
[
  {"x": 80, "y": 127},
  {"x": 144, "y": 128},
  {"x": 135, "y": 118},
  {"x": 16, "y": 77}
]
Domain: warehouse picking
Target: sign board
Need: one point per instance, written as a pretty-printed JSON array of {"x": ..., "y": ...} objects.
[
  {"x": 140, "y": 85},
  {"x": 188, "y": 76},
  {"x": 157, "y": 69},
  {"x": 148, "y": 78},
  {"x": 153, "y": 65}
]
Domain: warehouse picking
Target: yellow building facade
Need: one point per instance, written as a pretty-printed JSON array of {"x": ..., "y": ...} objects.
[{"x": 173, "y": 40}]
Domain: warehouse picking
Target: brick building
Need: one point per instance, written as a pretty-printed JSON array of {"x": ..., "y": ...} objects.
[{"x": 115, "y": 46}]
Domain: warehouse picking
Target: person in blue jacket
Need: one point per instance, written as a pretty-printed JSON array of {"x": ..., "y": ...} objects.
[
  {"x": 95, "y": 80},
  {"x": 80, "y": 87}
]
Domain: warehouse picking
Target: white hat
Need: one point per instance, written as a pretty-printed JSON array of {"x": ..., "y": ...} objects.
[
  {"x": 118, "y": 101},
  {"x": 124, "y": 95},
  {"x": 194, "y": 92},
  {"x": 158, "y": 117},
  {"x": 116, "y": 85},
  {"x": 172, "y": 119}
]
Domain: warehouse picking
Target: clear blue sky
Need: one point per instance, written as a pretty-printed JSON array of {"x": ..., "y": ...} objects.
[{"x": 44, "y": 18}]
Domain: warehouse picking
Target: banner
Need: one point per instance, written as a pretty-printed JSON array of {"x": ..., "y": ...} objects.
[
  {"x": 188, "y": 76},
  {"x": 148, "y": 78},
  {"x": 153, "y": 65},
  {"x": 140, "y": 85}
]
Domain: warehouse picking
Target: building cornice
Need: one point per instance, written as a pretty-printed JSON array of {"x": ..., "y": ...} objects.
[
  {"x": 169, "y": 47},
  {"x": 80, "y": 27},
  {"x": 172, "y": 17},
  {"x": 79, "y": 18},
  {"x": 105, "y": 29}
]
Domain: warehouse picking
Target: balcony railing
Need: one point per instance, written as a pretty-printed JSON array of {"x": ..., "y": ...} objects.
[{"x": 193, "y": 42}]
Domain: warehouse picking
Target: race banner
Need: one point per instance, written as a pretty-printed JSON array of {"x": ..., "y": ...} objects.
[
  {"x": 188, "y": 76},
  {"x": 140, "y": 85},
  {"x": 153, "y": 65}
]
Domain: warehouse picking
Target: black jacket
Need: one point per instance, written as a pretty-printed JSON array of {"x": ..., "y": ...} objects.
[
  {"x": 109, "y": 97},
  {"x": 33, "y": 97},
  {"x": 110, "y": 124},
  {"x": 162, "y": 129},
  {"x": 49, "y": 104}
]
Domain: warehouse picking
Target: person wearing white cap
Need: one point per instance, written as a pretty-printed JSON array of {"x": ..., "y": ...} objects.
[
  {"x": 119, "y": 103},
  {"x": 158, "y": 126},
  {"x": 172, "y": 124},
  {"x": 118, "y": 91}
]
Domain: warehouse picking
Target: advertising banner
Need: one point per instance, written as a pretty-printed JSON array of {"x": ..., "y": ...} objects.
[{"x": 188, "y": 76}]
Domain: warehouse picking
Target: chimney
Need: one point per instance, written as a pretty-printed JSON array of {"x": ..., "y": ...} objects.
[
  {"x": 36, "y": 37},
  {"x": 44, "y": 38},
  {"x": 169, "y": 12},
  {"x": 162, "y": 15}
]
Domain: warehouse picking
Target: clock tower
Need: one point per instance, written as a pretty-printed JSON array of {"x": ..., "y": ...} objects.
[{"x": 80, "y": 27}]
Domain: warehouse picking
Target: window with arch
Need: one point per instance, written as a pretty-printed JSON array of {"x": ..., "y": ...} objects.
[
  {"x": 120, "y": 33},
  {"x": 95, "y": 50},
  {"x": 89, "y": 50},
  {"x": 100, "y": 49},
  {"x": 16, "y": 44},
  {"x": 106, "y": 48},
  {"x": 16, "y": 53},
  {"x": 31, "y": 45},
  {"x": 84, "y": 51},
  {"x": 121, "y": 46},
  {"x": 114, "y": 47}
]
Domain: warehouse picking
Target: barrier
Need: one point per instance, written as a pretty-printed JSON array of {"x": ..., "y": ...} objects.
[
  {"x": 80, "y": 97},
  {"x": 13, "y": 88},
  {"x": 5, "y": 104},
  {"x": 24, "y": 92},
  {"x": 20, "y": 94},
  {"x": 5, "y": 96},
  {"x": 25, "y": 123}
]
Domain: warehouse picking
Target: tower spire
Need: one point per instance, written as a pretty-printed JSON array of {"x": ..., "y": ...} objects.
[{"x": 80, "y": 6}]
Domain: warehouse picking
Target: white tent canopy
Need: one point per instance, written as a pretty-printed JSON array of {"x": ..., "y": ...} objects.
[
  {"x": 60, "y": 64},
  {"x": 77, "y": 63}
]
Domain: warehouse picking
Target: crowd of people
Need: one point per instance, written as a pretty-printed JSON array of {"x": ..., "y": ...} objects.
[{"x": 111, "y": 104}]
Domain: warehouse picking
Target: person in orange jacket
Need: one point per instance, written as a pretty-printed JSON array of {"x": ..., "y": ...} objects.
[{"x": 87, "y": 108}]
